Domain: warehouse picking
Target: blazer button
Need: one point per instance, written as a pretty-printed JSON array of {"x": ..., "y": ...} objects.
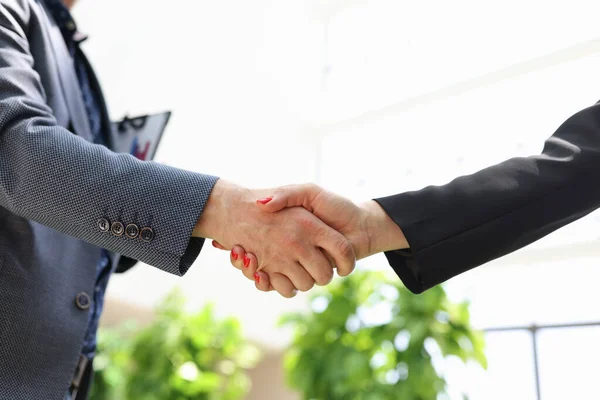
[
  {"x": 83, "y": 301},
  {"x": 132, "y": 231},
  {"x": 103, "y": 224},
  {"x": 147, "y": 234},
  {"x": 117, "y": 228}
]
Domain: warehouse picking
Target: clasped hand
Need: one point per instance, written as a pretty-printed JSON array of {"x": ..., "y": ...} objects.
[{"x": 293, "y": 237}]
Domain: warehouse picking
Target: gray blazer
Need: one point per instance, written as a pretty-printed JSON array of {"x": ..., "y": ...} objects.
[{"x": 62, "y": 199}]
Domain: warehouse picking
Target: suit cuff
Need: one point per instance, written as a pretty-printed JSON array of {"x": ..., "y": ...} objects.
[
  {"x": 167, "y": 205},
  {"x": 183, "y": 246},
  {"x": 414, "y": 266}
]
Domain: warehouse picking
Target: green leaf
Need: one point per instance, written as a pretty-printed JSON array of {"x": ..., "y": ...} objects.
[
  {"x": 326, "y": 361},
  {"x": 178, "y": 356}
]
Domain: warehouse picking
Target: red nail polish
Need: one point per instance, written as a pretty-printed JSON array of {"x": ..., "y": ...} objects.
[
  {"x": 246, "y": 261},
  {"x": 214, "y": 244},
  {"x": 265, "y": 200},
  {"x": 257, "y": 278},
  {"x": 234, "y": 255}
]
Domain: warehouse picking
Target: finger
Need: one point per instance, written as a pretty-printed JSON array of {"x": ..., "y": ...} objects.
[
  {"x": 262, "y": 281},
  {"x": 218, "y": 245},
  {"x": 250, "y": 265},
  {"x": 319, "y": 267},
  {"x": 283, "y": 285},
  {"x": 338, "y": 247},
  {"x": 299, "y": 277},
  {"x": 236, "y": 256},
  {"x": 329, "y": 258},
  {"x": 290, "y": 196}
]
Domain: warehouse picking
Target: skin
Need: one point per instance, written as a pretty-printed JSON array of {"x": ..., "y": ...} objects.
[
  {"x": 365, "y": 225},
  {"x": 293, "y": 246}
]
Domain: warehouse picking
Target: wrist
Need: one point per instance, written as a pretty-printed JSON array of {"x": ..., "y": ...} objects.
[
  {"x": 214, "y": 217},
  {"x": 382, "y": 232}
]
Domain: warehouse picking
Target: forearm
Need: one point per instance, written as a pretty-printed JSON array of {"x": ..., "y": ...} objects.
[
  {"x": 53, "y": 177},
  {"x": 480, "y": 217},
  {"x": 382, "y": 233}
]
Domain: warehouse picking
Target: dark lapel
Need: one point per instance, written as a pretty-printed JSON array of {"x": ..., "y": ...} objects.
[{"x": 68, "y": 80}]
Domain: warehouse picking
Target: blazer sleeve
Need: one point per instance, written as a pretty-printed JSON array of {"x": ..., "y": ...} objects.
[
  {"x": 53, "y": 177},
  {"x": 480, "y": 217}
]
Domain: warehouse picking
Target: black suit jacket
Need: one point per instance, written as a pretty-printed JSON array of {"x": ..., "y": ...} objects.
[{"x": 480, "y": 217}]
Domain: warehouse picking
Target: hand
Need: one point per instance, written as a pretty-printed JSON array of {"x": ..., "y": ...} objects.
[
  {"x": 288, "y": 245},
  {"x": 366, "y": 226}
]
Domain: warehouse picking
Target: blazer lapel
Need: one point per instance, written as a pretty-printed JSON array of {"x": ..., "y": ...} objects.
[{"x": 69, "y": 81}]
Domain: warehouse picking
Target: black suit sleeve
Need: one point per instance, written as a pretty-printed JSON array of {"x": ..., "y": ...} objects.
[{"x": 477, "y": 218}]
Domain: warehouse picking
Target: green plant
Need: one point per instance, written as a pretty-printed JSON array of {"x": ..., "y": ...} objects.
[
  {"x": 179, "y": 356},
  {"x": 368, "y": 338},
  {"x": 111, "y": 363}
]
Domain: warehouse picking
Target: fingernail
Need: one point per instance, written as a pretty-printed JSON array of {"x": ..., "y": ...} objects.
[
  {"x": 246, "y": 261},
  {"x": 257, "y": 278},
  {"x": 234, "y": 255},
  {"x": 265, "y": 200},
  {"x": 214, "y": 244}
]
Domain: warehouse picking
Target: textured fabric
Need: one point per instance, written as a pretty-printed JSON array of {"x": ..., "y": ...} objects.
[
  {"x": 68, "y": 27},
  {"x": 480, "y": 217},
  {"x": 103, "y": 273},
  {"x": 54, "y": 188}
]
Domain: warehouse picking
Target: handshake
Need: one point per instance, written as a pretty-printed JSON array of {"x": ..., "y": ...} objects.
[{"x": 293, "y": 237}]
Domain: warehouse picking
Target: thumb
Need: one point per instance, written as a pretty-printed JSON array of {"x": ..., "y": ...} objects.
[{"x": 290, "y": 196}]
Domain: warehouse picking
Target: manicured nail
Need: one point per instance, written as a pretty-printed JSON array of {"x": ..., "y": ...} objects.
[
  {"x": 257, "y": 278},
  {"x": 234, "y": 255},
  {"x": 214, "y": 245},
  {"x": 246, "y": 261},
  {"x": 265, "y": 200}
]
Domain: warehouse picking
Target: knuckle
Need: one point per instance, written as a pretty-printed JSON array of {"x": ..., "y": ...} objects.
[
  {"x": 280, "y": 192},
  {"x": 296, "y": 244},
  {"x": 315, "y": 191},
  {"x": 346, "y": 250},
  {"x": 313, "y": 187},
  {"x": 289, "y": 241},
  {"x": 325, "y": 276},
  {"x": 305, "y": 223}
]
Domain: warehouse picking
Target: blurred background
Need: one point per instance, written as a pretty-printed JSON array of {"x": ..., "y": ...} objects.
[{"x": 366, "y": 98}]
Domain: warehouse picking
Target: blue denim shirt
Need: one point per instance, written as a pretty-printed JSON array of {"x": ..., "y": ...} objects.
[{"x": 72, "y": 37}]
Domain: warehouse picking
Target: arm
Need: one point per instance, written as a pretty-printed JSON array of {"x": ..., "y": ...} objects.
[
  {"x": 480, "y": 217},
  {"x": 53, "y": 177},
  {"x": 473, "y": 219}
]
